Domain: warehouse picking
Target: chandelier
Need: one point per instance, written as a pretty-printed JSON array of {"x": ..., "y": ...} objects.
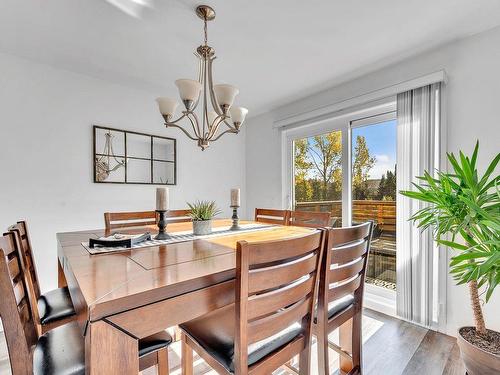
[{"x": 205, "y": 126}]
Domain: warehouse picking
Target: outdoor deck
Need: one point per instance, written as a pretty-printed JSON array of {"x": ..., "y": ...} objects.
[{"x": 382, "y": 260}]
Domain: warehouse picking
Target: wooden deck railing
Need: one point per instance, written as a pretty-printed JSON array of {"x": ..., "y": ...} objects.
[
  {"x": 382, "y": 212},
  {"x": 381, "y": 269}
]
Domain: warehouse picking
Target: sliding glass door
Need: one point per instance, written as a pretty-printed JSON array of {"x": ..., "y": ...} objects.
[
  {"x": 373, "y": 185},
  {"x": 347, "y": 166},
  {"x": 317, "y": 175}
]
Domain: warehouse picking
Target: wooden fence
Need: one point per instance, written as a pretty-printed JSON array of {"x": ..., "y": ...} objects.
[{"x": 382, "y": 212}]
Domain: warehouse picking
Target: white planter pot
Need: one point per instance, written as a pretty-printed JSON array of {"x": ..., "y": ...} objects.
[{"x": 202, "y": 227}]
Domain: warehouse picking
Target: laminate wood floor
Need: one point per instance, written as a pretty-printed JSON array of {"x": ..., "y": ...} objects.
[{"x": 391, "y": 347}]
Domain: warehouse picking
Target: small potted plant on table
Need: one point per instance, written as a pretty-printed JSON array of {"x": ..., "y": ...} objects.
[
  {"x": 202, "y": 213},
  {"x": 465, "y": 207}
]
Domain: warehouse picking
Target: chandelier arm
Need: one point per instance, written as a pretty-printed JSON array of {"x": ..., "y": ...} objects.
[
  {"x": 197, "y": 122},
  {"x": 195, "y": 104},
  {"x": 213, "y": 97},
  {"x": 194, "y": 125},
  {"x": 224, "y": 132},
  {"x": 227, "y": 123},
  {"x": 216, "y": 124},
  {"x": 184, "y": 114},
  {"x": 175, "y": 121},
  {"x": 206, "y": 126},
  {"x": 230, "y": 126},
  {"x": 199, "y": 66},
  {"x": 213, "y": 128},
  {"x": 184, "y": 131}
]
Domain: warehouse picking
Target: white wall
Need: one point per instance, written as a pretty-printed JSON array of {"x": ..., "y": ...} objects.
[
  {"x": 46, "y": 118},
  {"x": 472, "y": 101},
  {"x": 263, "y": 164}
]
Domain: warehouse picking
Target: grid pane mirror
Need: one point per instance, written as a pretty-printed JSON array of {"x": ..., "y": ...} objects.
[{"x": 126, "y": 157}]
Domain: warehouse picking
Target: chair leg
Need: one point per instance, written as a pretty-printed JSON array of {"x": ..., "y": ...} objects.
[
  {"x": 187, "y": 357},
  {"x": 345, "y": 342},
  {"x": 177, "y": 333},
  {"x": 357, "y": 349},
  {"x": 163, "y": 362},
  {"x": 323, "y": 359},
  {"x": 305, "y": 361}
]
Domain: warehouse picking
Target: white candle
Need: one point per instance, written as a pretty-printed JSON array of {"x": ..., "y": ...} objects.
[
  {"x": 235, "y": 197},
  {"x": 161, "y": 199}
]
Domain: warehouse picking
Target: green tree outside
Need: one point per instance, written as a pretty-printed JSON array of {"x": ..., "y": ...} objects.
[
  {"x": 362, "y": 165},
  {"x": 318, "y": 170}
]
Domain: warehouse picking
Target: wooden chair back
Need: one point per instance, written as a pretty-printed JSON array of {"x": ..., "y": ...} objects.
[
  {"x": 275, "y": 287},
  {"x": 344, "y": 266},
  {"x": 309, "y": 219},
  {"x": 178, "y": 216},
  {"x": 115, "y": 220},
  {"x": 21, "y": 229},
  {"x": 271, "y": 216},
  {"x": 15, "y": 309}
]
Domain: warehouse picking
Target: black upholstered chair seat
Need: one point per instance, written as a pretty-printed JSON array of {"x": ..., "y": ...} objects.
[
  {"x": 154, "y": 342},
  {"x": 61, "y": 351},
  {"x": 338, "y": 306},
  {"x": 55, "y": 305},
  {"x": 215, "y": 333}
]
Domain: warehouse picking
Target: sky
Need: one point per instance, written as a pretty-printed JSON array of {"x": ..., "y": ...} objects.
[{"x": 381, "y": 142}]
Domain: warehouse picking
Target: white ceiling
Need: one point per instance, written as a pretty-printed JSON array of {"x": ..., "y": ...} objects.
[{"x": 273, "y": 50}]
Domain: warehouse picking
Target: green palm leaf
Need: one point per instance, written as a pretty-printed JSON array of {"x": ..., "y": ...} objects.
[{"x": 465, "y": 206}]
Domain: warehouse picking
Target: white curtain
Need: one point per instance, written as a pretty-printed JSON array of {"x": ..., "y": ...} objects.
[{"x": 418, "y": 114}]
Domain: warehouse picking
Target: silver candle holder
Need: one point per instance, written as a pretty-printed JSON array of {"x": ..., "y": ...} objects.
[{"x": 235, "y": 218}]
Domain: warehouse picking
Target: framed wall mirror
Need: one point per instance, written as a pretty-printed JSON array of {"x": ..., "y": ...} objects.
[{"x": 126, "y": 157}]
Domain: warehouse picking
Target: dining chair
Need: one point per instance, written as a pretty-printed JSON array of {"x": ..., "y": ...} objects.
[
  {"x": 309, "y": 219},
  {"x": 60, "y": 351},
  {"x": 178, "y": 216},
  {"x": 271, "y": 216},
  {"x": 340, "y": 298},
  {"x": 115, "y": 220},
  {"x": 270, "y": 321},
  {"x": 50, "y": 309}
]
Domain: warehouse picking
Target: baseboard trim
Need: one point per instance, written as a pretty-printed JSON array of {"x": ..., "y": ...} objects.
[{"x": 381, "y": 302}]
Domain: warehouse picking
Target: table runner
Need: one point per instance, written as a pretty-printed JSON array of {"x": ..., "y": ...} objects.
[{"x": 176, "y": 237}]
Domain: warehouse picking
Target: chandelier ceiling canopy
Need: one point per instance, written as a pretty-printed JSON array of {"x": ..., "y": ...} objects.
[{"x": 205, "y": 127}]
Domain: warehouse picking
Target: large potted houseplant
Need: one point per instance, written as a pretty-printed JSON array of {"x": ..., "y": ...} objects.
[
  {"x": 463, "y": 211},
  {"x": 202, "y": 213}
]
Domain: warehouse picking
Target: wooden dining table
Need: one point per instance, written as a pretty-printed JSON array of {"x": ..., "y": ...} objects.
[{"x": 124, "y": 296}]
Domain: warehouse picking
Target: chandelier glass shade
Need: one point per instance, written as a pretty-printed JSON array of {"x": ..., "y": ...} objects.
[{"x": 210, "y": 123}]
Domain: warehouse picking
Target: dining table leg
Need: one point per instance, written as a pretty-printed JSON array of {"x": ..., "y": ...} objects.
[
  {"x": 345, "y": 342},
  {"x": 61, "y": 278},
  {"x": 110, "y": 351}
]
